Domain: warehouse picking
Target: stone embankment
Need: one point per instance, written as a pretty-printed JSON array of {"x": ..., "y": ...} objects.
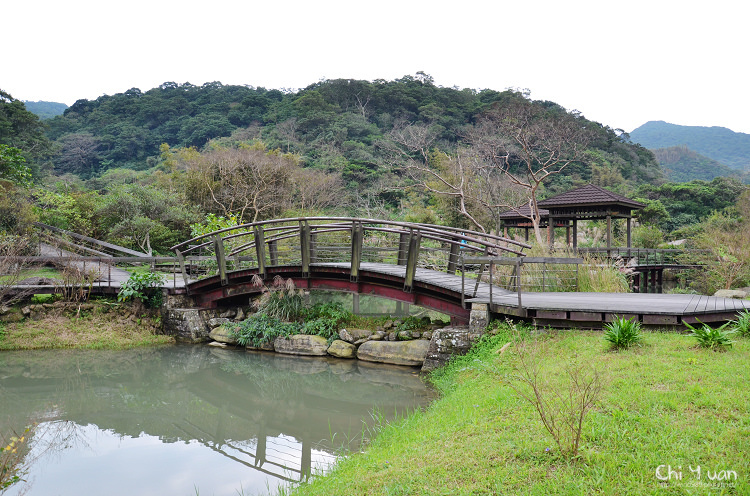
[{"x": 387, "y": 344}]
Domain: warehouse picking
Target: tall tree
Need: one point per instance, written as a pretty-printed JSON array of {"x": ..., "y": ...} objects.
[{"x": 528, "y": 142}]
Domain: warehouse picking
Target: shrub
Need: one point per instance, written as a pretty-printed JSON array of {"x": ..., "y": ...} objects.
[
  {"x": 281, "y": 300},
  {"x": 562, "y": 408},
  {"x": 713, "y": 338},
  {"x": 623, "y": 333},
  {"x": 261, "y": 329},
  {"x": 741, "y": 324},
  {"x": 145, "y": 286}
]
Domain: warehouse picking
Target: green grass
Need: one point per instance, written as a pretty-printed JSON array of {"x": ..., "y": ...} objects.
[
  {"x": 104, "y": 327},
  {"x": 665, "y": 403},
  {"x": 33, "y": 272}
]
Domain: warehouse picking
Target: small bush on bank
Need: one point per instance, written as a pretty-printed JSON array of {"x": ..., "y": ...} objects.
[
  {"x": 742, "y": 324},
  {"x": 623, "y": 333},
  {"x": 144, "y": 286},
  {"x": 261, "y": 329},
  {"x": 716, "y": 339}
]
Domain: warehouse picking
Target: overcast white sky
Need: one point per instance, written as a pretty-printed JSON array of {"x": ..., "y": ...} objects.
[{"x": 619, "y": 63}]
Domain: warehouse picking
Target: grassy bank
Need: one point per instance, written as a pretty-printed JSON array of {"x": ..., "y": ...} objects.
[
  {"x": 666, "y": 403},
  {"x": 93, "y": 325}
]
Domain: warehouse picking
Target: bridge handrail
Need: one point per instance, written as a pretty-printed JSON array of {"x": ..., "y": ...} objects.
[{"x": 476, "y": 236}]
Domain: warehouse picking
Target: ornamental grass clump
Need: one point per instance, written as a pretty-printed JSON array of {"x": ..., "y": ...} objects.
[
  {"x": 717, "y": 339},
  {"x": 623, "y": 333}
]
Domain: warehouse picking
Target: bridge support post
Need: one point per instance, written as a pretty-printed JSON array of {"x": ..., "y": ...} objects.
[
  {"x": 273, "y": 252},
  {"x": 260, "y": 250},
  {"x": 304, "y": 239},
  {"x": 403, "y": 248},
  {"x": 357, "y": 238},
  {"x": 453, "y": 256},
  {"x": 221, "y": 259},
  {"x": 181, "y": 259},
  {"x": 415, "y": 238}
]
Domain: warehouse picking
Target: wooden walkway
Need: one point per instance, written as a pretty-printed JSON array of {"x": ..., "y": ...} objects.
[{"x": 567, "y": 309}]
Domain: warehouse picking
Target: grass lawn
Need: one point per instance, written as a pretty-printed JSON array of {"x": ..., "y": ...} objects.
[
  {"x": 97, "y": 326},
  {"x": 50, "y": 272},
  {"x": 666, "y": 403}
]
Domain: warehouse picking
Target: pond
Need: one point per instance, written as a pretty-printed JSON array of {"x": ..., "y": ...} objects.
[{"x": 186, "y": 420}]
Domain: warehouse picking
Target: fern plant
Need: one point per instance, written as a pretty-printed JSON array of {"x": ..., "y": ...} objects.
[
  {"x": 623, "y": 333},
  {"x": 742, "y": 324},
  {"x": 712, "y": 338}
]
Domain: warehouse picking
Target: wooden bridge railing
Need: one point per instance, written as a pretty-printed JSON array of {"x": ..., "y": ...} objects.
[
  {"x": 305, "y": 241},
  {"x": 647, "y": 256},
  {"x": 564, "y": 279}
]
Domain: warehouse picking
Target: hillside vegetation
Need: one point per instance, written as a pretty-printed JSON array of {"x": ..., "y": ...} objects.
[
  {"x": 45, "y": 110},
  {"x": 682, "y": 164},
  {"x": 718, "y": 143},
  {"x": 335, "y": 125}
]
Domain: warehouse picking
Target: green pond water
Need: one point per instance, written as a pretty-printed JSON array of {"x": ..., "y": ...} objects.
[{"x": 186, "y": 420}]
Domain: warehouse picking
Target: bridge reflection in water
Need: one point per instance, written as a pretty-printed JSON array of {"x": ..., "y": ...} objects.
[{"x": 180, "y": 417}]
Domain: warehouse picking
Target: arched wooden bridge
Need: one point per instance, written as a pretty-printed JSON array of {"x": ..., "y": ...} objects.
[{"x": 414, "y": 263}]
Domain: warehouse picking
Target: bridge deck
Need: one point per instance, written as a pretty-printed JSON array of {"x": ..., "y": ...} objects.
[
  {"x": 557, "y": 309},
  {"x": 443, "y": 280}
]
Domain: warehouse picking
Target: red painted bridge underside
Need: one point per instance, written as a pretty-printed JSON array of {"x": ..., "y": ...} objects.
[{"x": 209, "y": 293}]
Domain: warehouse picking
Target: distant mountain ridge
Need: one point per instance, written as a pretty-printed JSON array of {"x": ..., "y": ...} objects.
[
  {"x": 45, "y": 110},
  {"x": 718, "y": 143},
  {"x": 681, "y": 164}
]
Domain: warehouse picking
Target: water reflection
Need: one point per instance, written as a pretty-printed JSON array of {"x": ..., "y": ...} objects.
[{"x": 173, "y": 419}]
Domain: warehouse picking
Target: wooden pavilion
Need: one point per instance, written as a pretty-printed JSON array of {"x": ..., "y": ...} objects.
[{"x": 587, "y": 202}]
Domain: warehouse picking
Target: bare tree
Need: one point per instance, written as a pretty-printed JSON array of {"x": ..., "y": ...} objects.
[
  {"x": 528, "y": 142},
  {"x": 473, "y": 190},
  {"x": 250, "y": 182},
  {"x": 315, "y": 190}
]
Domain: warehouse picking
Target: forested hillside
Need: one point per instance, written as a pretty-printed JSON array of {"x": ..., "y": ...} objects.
[
  {"x": 45, "y": 110},
  {"x": 718, "y": 143},
  {"x": 681, "y": 164},
  {"x": 337, "y": 126}
]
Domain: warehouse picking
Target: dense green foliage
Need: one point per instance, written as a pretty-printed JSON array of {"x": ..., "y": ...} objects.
[
  {"x": 144, "y": 286},
  {"x": 682, "y": 164},
  {"x": 674, "y": 205},
  {"x": 719, "y": 143},
  {"x": 23, "y": 130},
  {"x": 335, "y": 125},
  {"x": 45, "y": 110}
]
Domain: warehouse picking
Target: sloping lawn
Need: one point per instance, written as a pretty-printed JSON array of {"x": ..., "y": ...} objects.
[{"x": 666, "y": 405}]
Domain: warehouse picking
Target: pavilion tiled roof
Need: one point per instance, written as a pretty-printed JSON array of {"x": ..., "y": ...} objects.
[{"x": 589, "y": 195}]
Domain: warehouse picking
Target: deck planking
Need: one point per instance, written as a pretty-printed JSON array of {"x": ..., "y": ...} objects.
[{"x": 675, "y": 306}]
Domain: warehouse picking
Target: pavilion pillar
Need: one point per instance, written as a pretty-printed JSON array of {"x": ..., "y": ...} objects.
[
  {"x": 609, "y": 235},
  {"x": 628, "y": 230},
  {"x": 551, "y": 231},
  {"x": 526, "y": 234},
  {"x": 575, "y": 235},
  {"x": 567, "y": 233}
]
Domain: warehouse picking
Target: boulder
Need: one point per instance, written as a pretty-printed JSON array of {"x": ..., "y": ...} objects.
[
  {"x": 731, "y": 293},
  {"x": 186, "y": 325},
  {"x": 396, "y": 352},
  {"x": 229, "y": 313},
  {"x": 342, "y": 349},
  {"x": 301, "y": 344},
  {"x": 263, "y": 347},
  {"x": 216, "y": 322},
  {"x": 353, "y": 335},
  {"x": 446, "y": 343},
  {"x": 222, "y": 335}
]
